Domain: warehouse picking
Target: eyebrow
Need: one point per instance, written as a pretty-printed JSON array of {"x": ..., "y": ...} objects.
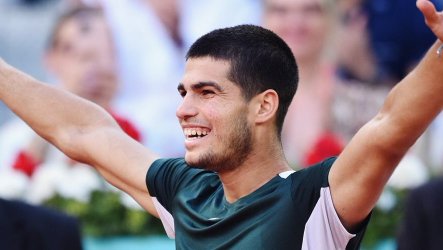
[{"x": 200, "y": 85}]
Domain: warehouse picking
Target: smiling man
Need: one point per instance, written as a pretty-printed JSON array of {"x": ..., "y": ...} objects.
[{"x": 234, "y": 188}]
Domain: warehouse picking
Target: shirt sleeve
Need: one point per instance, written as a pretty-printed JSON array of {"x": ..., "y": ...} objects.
[
  {"x": 166, "y": 177},
  {"x": 323, "y": 229}
]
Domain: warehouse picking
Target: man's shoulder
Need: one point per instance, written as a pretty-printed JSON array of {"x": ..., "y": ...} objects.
[
  {"x": 318, "y": 172},
  {"x": 178, "y": 161},
  {"x": 173, "y": 170},
  {"x": 169, "y": 165}
]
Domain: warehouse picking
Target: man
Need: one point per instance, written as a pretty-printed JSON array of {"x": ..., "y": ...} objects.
[
  {"x": 80, "y": 55},
  {"x": 236, "y": 89}
]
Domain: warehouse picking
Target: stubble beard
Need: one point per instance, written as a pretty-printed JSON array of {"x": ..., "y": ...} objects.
[{"x": 237, "y": 148}]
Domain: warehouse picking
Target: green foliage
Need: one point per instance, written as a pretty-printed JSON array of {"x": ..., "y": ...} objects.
[
  {"x": 384, "y": 223},
  {"x": 105, "y": 215}
]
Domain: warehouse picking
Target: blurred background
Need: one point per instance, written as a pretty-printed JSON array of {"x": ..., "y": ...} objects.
[{"x": 128, "y": 56}]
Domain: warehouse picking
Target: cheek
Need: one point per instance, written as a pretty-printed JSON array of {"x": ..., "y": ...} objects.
[
  {"x": 211, "y": 111},
  {"x": 318, "y": 27},
  {"x": 219, "y": 121}
]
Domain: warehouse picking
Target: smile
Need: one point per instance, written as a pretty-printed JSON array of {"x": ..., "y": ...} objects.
[{"x": 195, "y": 133}]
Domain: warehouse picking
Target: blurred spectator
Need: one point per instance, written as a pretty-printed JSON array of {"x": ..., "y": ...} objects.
[
  {"x": 392, "y": 31},
  {"x": 381, "y": 41},
  {"x": 357, "y": 98},
  {"x": 423, "y": 221},
  {"x": 355, "y": 58},
  {"x": 80, "y": 55},
  {"x": 26, "y": 227},
  {"x": 18, "y": 23},
  {"x": 306, "y": 26}
]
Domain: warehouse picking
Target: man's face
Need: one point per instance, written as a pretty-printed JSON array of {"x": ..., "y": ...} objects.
[
  {"x": 83, "y": 59},
  {"x": 213, "y": 116},
  {"x": 303, "y": 24}
]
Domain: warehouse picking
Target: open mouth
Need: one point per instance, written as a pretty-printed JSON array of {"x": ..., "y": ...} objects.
[{"x": 195, "y": 133}]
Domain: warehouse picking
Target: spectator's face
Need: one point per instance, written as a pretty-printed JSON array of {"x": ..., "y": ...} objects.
[
  {"x": 83, "y": 59},
  {"x": 214, "y": 116},
  {"x": 303, "y": 24}
]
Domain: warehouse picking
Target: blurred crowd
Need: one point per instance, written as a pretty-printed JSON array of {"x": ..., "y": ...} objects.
[{"x": 128, "y": 56}]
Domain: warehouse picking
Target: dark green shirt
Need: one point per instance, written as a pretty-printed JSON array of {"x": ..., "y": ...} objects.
[{"x": 287, "y": 212}]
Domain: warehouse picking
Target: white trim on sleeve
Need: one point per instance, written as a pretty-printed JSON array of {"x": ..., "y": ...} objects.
[
  {"x": 324, "y": 229},
  {"x": 165, "y": 217}
]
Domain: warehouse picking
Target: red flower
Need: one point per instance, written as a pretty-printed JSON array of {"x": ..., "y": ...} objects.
[{"x": 326, "y": 146}]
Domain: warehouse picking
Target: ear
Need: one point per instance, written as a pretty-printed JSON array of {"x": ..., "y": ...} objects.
[{"x": 267, "y": 105}]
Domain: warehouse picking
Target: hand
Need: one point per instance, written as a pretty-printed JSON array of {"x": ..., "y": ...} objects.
[{"x": 433, "y": 19}]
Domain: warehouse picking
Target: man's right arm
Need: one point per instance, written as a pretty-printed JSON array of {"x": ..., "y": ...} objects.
[{"x": 81, "y": 129}]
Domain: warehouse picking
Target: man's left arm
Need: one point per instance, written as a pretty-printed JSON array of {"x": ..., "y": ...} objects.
[{"x": 359, "y": 174}]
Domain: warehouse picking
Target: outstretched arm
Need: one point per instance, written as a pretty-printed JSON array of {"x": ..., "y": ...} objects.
[
  {"x": 359, "y": 174},
  {"x": 81, "y": 129}
]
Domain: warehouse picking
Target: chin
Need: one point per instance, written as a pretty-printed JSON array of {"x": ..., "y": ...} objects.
[
  {"x": 191, "y": 159},
  {"x": 199, "y": 160}
]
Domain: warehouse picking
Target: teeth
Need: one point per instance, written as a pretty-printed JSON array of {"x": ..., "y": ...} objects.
[{"x": 195, "y": 132}]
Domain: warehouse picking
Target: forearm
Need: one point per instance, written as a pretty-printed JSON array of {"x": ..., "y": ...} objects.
[
  {"x": 82, "y": 130},
  {"x": 415, "y": 101},
  {"x": 53, "y": 113},
  {"x": 372, "y": 155}
]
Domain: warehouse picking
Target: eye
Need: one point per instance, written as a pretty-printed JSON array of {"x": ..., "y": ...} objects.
[
  {"x": 182, "y": 93},
  {"x": 207, "y": 92},
  {"x": 65, "y": 48},
  {"x": 277, "y": 10},
  {"x": 313, "y": 9}
]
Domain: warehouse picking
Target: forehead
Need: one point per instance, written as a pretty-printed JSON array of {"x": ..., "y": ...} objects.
[
  {"x": 90, "y": 29},
  {"x": 206, "y": 69}
]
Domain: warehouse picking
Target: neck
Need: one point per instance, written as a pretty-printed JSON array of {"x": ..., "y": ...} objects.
[{"x": 257, "y": 170}]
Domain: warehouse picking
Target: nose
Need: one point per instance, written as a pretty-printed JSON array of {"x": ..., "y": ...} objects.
[
  {"x": 96, "y": 61},
  {"x": 186, "y": 109}
]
